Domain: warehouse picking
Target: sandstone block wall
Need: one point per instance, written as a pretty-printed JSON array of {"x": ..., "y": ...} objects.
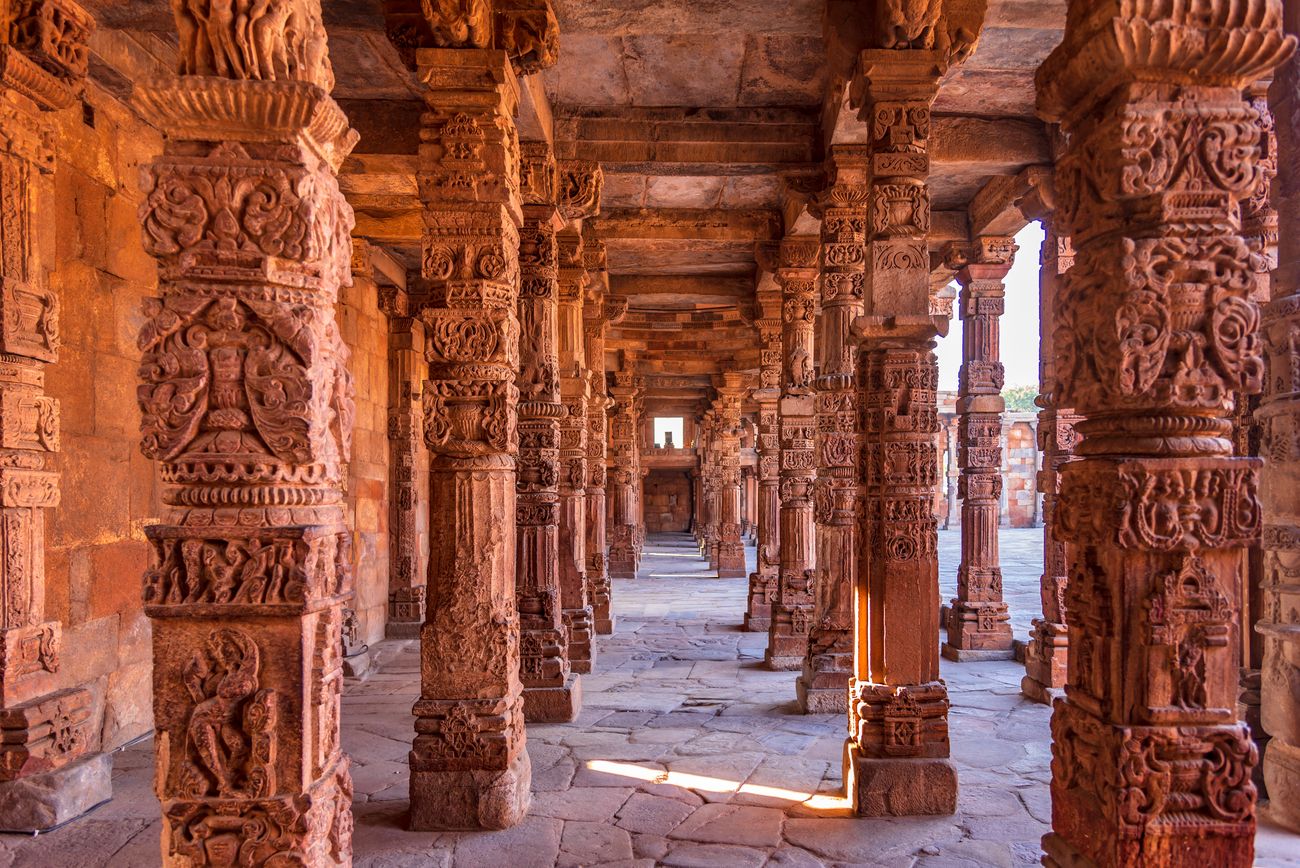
[{"x": 667, "y": 501}]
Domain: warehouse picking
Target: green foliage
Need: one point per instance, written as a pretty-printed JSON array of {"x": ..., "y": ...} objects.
[{"x": 1020, "y": 399}]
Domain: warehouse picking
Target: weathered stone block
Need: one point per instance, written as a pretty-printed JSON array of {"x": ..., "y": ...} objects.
[
  {"x": 42, "y": 802},
  {"x": 554, "y": 704},
  {"x": 900, "y": 787},
  {"x": 475, "y": 799}
]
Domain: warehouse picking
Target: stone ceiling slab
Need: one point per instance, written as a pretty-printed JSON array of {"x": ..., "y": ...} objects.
[
  {"x": 683, "y": 70},
  {"x": 590, "y": 72},
  {"x": 752, "y": 191},
  {"x": 624, "y": 17},
  {"x": 782, "y": 70},
  {"x": 683, "y": 191},
  {"x": 635, "y": 256},
  {"x": 623, "y": 191}
]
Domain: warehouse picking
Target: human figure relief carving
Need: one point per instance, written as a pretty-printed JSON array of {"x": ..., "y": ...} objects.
[
  {"x": 254, "y": 40},
  {"x": 230, "y": 736}
]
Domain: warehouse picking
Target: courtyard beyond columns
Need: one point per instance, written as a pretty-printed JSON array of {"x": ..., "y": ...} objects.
[{"x": 688, "y": 752}]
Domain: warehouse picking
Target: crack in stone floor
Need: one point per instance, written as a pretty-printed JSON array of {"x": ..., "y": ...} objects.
[{"x": 687, "y": 753}]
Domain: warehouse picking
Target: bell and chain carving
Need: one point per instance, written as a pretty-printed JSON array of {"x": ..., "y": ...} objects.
[
  {"x": 1157, "y": 336},
  {"x": 469, "y": 769}
]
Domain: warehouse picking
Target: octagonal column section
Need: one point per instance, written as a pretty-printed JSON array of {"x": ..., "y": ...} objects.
[
  {"x": 1049, "y": 640},
  {"x": 469, "y": 769},
  {"x": 624, "y": 476},
  {"x": 731, "y": 545},
  {"x": 763, "y": 581},
  {"x": 1279, "y": 418},
  {"x": 1155, "y": 332},
  {"x": 896, "y": 757},
  {"x": 551, "y": 692},
  {"x": 246, "y": 404},
  {"x": 794, "y": 262},
  {"x": 828, "y": 667},
  {"x": 979, "y": 625},
  {"x": 51, "y": 769},
  {"x": 599, "y": 313}
]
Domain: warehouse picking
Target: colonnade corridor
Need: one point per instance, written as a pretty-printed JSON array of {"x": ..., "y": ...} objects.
[{"x": 688, "y": 752}]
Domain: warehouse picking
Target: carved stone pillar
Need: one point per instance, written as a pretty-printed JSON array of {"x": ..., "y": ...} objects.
[
  {"x": 600, "y": 311},
  {"x": 1155, "y": 331},
  {"x": 824, "y": 685},
  {"x": 574, "y": 592},
  {"x": 246, "y": 404},
  {"x": 896, "y": 755},
  {"x": 469, "y": 768},
  {"x": 795, "y": 267},
  {"x": 51, "y": 769},
  {"x": 551, "y": 692},
  {"x": 763, "y": 581},
  {"x": 979, "y": 625},
  {"x": 1279, "y": 418},
  {"x": 730, "y": 545},
  {"x": 624, "y": 477},
  {"x": 409, "y": 464},
  {"x": 1049, "y": 640}
]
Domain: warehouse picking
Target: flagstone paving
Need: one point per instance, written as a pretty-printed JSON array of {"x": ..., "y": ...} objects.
[{"x": 687, "y": 753}]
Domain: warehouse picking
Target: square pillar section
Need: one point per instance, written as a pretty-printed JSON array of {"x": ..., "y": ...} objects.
[{"x": 1157, "y": 336}]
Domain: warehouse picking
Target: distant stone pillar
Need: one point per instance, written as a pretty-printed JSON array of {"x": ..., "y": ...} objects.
[
  {"x": 763, "y": 581},
  {"x": 51, "y": 769},
  {"x": 828, "y": 666},
  {"x": 1049, "y": 637},
  {"x": 552, "y": 693},
  {"x": 1155, "y": 332},
  {"x": 979, "y": 625},
  {"x": 896, "y": 757},
  {"x": 1279, "y": 418},
  {"x": 624, "y": 477},
  {"x": 795, "y": 267},
  {"x": 599, "y": 313},
  {"x": 730, "y": 546},
  {"x": 246, "y": 405},
  {"x": 707, "y": 534},
  {"x": 575, "y": 391},
  {"x": 408, "y": 466},
  {"x": 469, "y": 768}
]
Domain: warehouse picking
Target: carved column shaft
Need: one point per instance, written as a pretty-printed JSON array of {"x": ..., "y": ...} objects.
[
  {"x": 551, "y": 692},
  {"x": 1279, "y": 418},
  {"x": 896, "y": 756},
  {"x": 828, "y": 667},
  {"x": 599, "y": 313},
  {"x": 469, "y": 768},
  {"x": 792, "y": 608},
  {"x": 979, "y": 625},
  {"x": 624, "y": 477},
  {"x": 730, "y": 546},
  {"x": 42, "y": 69},
  {"x": 574, "y": 592},
  {"x": 763, "y": 581},
  {"x": 1155, "y": 332},
  {"x": 246, "y": 404},
  {"x": 1046, "y": 656},
  {"x": 408, "y": 464}
]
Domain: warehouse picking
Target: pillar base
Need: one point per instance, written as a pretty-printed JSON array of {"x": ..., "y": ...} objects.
[
  {"x": 1034, "y": 690},
  {"x": 605, "y": 626},
  {"x": 733, "y": 572},
  {"x": 471, "y": 800},
  {"x": 969, "y": 655},
  {"x": 757, "y": 625},
  {"x": 554, "y": 704},
  {"x": 1058, "y": 853},
  {"x": 1282, "y": 777},
  {"x": 39, "y": 803},
  {"x": 816, "y": 696},
  {"x": 899, "y": 787},
  {"x": 785, "y": 653}
]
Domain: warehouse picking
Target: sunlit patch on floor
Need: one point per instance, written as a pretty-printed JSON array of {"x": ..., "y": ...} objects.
[{"x": 704, "y": 783}]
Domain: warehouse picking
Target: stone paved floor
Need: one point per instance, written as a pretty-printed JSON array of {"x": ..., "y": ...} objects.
[{"x": 687, "y": 753}]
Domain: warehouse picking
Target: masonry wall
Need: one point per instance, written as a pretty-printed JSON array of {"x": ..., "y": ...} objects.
[
  {"x": 365, "y": 330},
  {"x": 1019, "y": 506},
  {"x": 667, "y": 501}
]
